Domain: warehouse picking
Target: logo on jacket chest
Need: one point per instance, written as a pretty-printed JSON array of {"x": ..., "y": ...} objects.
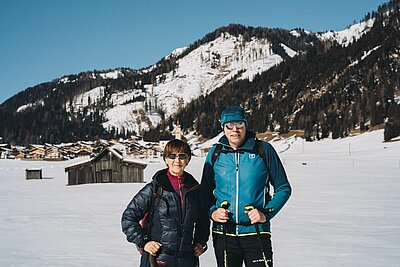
[{"x": 252, "y": 156}]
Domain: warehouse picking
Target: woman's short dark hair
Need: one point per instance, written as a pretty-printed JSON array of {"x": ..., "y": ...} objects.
[{"x": 177, "y": 146}]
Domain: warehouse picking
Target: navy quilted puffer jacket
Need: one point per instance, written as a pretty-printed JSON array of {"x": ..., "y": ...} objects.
[{"x": 176, "y": 227}]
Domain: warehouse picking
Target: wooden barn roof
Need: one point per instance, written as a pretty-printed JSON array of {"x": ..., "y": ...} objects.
[{"x": 101, "y": 154}]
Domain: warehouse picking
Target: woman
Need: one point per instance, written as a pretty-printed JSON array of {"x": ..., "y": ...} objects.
[{"x": 177, "y": 231}]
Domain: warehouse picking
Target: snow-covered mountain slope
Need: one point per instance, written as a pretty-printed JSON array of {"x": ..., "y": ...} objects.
[
  {"x": 349, "y": 35},
  {"x": 210, "y": 66},
  {"x": 138, "y": 106},
  {"x": 198, "y": 73}
]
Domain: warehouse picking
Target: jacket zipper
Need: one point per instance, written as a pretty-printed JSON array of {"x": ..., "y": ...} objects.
[
  {"x": 182, "y": 211},
  {"x": 182, "y": 208},
  {"x": 237, "y": 191}
]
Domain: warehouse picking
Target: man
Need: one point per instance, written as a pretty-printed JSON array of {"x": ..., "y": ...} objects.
[{"x": 236, "y": 177}]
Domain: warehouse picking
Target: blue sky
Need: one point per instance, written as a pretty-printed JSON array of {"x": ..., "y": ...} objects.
[{"x": 41, "y": 40}]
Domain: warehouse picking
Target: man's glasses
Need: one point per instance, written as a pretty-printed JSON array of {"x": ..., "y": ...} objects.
[
  {"x": 238, "y": 124},
  {"x": 181, "y": 156}
]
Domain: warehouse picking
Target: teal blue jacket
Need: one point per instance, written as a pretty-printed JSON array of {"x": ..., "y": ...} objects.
[{"x": 242, "y": 178}]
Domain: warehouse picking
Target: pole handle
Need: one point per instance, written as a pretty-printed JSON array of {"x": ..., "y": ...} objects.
[
  {"x": 225, "y": 204},
  {"x": 249, "y": 208}
]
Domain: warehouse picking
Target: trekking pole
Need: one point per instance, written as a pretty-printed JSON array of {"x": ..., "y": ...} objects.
[
  {"x": 249, "y": 208},
  {"x": 225, "y": 205},
  {"x": 152, "y": 261}
]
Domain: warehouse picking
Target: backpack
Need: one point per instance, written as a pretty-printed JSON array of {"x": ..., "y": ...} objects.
[{"x": 147, "y": 221}]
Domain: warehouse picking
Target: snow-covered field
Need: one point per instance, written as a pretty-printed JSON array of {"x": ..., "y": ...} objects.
[{"x": 344, "y": 211}]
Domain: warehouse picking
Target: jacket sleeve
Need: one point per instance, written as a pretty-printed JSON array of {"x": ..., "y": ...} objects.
[
  {"x": 202, "y": 230},
  {"x": 279, "y": 181},
  {"x": 207, "y": 199},
  {"x": 135, "y": 211}
]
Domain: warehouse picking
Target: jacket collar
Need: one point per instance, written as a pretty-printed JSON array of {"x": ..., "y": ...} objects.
[
  {"x": 161, "y": 179},
  {"x": 248, "y": 144}
]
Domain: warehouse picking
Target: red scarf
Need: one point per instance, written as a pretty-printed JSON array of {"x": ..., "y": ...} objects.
[{"x": 177, "y": 184}]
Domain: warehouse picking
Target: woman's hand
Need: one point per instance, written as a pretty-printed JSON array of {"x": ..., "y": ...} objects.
[
  {"x": 220, "y": 215},
  {"x": 199, "y": 249},
  {"x": 152, "y": 247}
]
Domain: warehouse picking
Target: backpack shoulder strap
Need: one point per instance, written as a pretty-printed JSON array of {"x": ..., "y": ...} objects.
[
  {"x": 155, "y": 199},
  {"x": 261, "y": 151},
  {"x": 217, "y": 151},
  {"x": 156, "y": 196}
]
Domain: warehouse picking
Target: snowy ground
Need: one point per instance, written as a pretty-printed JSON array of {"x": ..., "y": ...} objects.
[{"x": 344, "y": 211}]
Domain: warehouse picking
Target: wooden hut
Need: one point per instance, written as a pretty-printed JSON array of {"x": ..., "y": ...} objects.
[
  {"x": 33, "y": 174},
  {"x": 109, "y": 166}
]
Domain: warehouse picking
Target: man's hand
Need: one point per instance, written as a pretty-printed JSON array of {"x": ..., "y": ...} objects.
[
  {"x": 152, "y": 247},
  {"x": 220, "y": 215},
  {"x": 256, "y": 216}
]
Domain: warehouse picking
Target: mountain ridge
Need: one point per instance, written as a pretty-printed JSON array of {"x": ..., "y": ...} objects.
[{"x": 122, "y": 101}]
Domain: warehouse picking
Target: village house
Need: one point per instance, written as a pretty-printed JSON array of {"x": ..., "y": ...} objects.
[
  {"x": 164, "y": 139},
  {"x": 153, "y": 151},
  {"x": 144, "y": 150},
  {"x": 20, "y": 156},
  {"x": 18, "y": 152},
  {"x": 53, "y": 153},
  {"x": 5, "y": 151},
  {"x": 133, "y": 148},
  {"x": 82, "y": 153},
  {"x": 36, "y": 152}
]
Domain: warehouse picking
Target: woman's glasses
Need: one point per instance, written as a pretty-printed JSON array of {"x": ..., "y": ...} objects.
[
  {"x": 181, "y": 156},
  {"x": 238, "y": 124}
]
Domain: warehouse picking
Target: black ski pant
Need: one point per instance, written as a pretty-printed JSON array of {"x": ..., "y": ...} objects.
[{"x": 242, "y": 249}]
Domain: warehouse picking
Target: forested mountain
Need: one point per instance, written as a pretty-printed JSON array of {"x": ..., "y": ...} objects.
[
  {"x": 323, "y": 83},
  {"x": 326, "y": 90}
]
